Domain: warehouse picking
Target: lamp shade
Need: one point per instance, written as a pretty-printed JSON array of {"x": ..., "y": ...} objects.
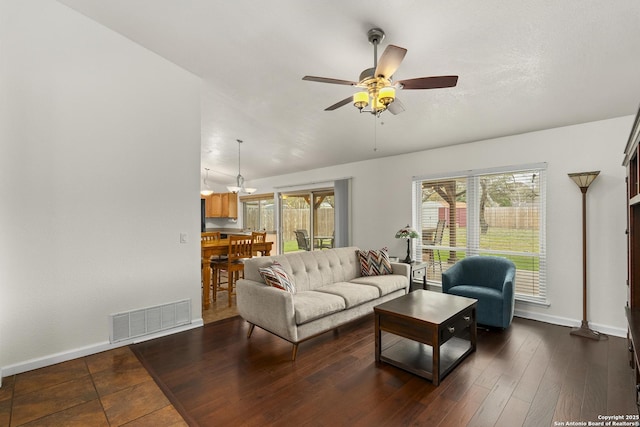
[
  {"x": 386, "y": 95},
  {"x": 205, "y": 190},
  {"x": 361, "y": 100},
  {"x": 407, "y": 233},
  {"x": 584, "y": 179}
]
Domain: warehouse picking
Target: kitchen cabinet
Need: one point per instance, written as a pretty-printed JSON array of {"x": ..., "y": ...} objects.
[
  {"x": 229, "y": 205},
  {"x": 214, "y": 208},
  {"x": 221, "y": 205}
]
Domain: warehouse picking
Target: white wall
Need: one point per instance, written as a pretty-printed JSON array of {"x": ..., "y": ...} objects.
[
  {"x": 381, "y": 204},
  {"x": 99, "y": 175}
]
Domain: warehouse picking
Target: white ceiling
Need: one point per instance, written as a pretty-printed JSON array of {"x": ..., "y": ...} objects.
[{"x": 522, "y": 66}]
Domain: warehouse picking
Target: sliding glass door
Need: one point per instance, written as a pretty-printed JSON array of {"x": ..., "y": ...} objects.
[
  {"x": 258, "y": 214},
  {"x": 307, "y": 220}
]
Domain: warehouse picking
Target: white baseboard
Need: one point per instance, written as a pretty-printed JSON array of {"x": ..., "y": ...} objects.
[
  {"x": 52, "y": 359},
  {"x": 554, "y": 320},
  {"x": 573, "y": 323}
]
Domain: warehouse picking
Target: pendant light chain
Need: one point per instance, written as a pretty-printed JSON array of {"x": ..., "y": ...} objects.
[
  {"x": 239, "y": 175},
  {"x": 240, "y": 188}
]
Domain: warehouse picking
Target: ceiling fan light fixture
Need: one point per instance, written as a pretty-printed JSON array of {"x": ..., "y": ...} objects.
[
  {"x": 379, "y": 91},
  {"x": 361, "y": 100},
  {"x": 377, "y": 106},
  {"x": 387, "y": 95}
]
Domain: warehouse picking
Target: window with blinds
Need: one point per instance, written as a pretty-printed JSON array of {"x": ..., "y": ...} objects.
[
  {"x": 498, "y": 212},
  {"x": 258, "y": 212}
]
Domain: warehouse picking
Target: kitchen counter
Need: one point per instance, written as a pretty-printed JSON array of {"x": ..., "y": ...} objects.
[{"x": 224, "y": 232}]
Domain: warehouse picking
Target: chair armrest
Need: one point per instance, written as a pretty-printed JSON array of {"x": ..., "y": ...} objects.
[
  {"x": 267, "y": 307},
  {"x": 451, "y": 277},
  {"x": 509, "y": 284}
]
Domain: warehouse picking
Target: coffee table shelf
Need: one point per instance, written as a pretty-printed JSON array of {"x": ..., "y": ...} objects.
[{"x": 417, "y": 358}]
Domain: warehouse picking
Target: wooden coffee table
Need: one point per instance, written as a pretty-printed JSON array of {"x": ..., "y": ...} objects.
[{"x": 432, "y": 332}]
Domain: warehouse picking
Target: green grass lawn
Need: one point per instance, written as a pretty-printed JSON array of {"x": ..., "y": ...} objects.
[
  {"x": 290, "y": 246},
  {"x": 521, "y": 262},
  {"x": 500, "y": 239}
]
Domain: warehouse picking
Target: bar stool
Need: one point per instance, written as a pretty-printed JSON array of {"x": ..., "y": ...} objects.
[{"x": 240, "y": 248}]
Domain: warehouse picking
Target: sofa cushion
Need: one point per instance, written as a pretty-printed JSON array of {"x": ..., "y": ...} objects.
[
  {"x": 310, "y": 269},
  {"x": 353, "y": 293},
  {"x": 374, "y": 263},
  {"x": 311, "y": 305},
  {"x": 386, "y": 284},
  {"x": 276, "y": 276}
]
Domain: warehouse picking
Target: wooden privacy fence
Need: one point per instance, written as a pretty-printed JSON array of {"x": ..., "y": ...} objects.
[
  {"x": 523, "y": 217},
  {"x": 294, "y": 219},
  {"x": 298, "y": 219},
  {"x": 512, "y": 217}
]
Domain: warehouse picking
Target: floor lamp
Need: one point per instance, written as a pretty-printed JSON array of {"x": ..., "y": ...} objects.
[{"x": 583, "y": 180}]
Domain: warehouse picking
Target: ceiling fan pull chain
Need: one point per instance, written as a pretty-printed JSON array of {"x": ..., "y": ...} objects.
[{"x": 375, "y": 134}]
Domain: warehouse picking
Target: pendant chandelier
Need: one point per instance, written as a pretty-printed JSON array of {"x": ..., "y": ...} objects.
[
  {"x": 206, "y": 190},
  {"x": 239, "y": 187}
]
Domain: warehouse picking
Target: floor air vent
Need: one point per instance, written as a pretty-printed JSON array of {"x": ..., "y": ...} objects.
[{"x": 145, "y": 321}]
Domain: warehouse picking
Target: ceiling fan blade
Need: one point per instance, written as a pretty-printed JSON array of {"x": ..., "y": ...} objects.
[
  {"x": 396, "y": 107},
  {"x": 328, "y": 80},
  {"x": 390, "y": 61},
  {"x": 429, "y": 82},
  {"x": 339, "y": 104}
]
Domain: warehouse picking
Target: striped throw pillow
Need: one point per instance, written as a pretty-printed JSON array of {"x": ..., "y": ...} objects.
[
  {"x": 277, "y": 277},
  {"x": 374, "y": 263}
]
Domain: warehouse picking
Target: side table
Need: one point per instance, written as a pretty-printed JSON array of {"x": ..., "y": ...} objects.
[{"x": 418, "y": 274}]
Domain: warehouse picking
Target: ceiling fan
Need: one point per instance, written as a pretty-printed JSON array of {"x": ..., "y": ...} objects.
[{"x": 379, "y": 92}]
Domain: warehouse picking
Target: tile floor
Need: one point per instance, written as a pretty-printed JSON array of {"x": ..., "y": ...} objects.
[{"x": 105, "y": 389}]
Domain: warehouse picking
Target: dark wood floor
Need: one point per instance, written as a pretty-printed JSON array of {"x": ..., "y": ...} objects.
[{"x": 533, "y": 374}]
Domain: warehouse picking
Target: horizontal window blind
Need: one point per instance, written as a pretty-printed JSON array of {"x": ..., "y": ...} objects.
[
  {"x": 259, "y": 214},
  {"x": 497, "y": 212}
]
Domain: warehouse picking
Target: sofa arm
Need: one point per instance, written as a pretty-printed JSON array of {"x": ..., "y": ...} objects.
[
  {"x": 402, "y": 269},
  {"x": 267, "y": 307}
]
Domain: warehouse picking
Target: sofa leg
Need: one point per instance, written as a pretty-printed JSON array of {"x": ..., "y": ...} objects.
[
  {"x": 294, "y": 353},
  {"x": 251, "y": 326}
]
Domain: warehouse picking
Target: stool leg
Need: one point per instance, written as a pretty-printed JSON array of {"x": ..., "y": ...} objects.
[
  {"x": 215, "y": 283},
  {"x": 230, "y": 279}
]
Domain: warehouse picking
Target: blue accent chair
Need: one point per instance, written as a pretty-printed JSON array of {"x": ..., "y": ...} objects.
[{"x": 490, "y": 280}]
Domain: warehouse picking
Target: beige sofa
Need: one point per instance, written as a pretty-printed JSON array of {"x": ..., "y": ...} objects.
[{"x": 330, "y": 291}]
